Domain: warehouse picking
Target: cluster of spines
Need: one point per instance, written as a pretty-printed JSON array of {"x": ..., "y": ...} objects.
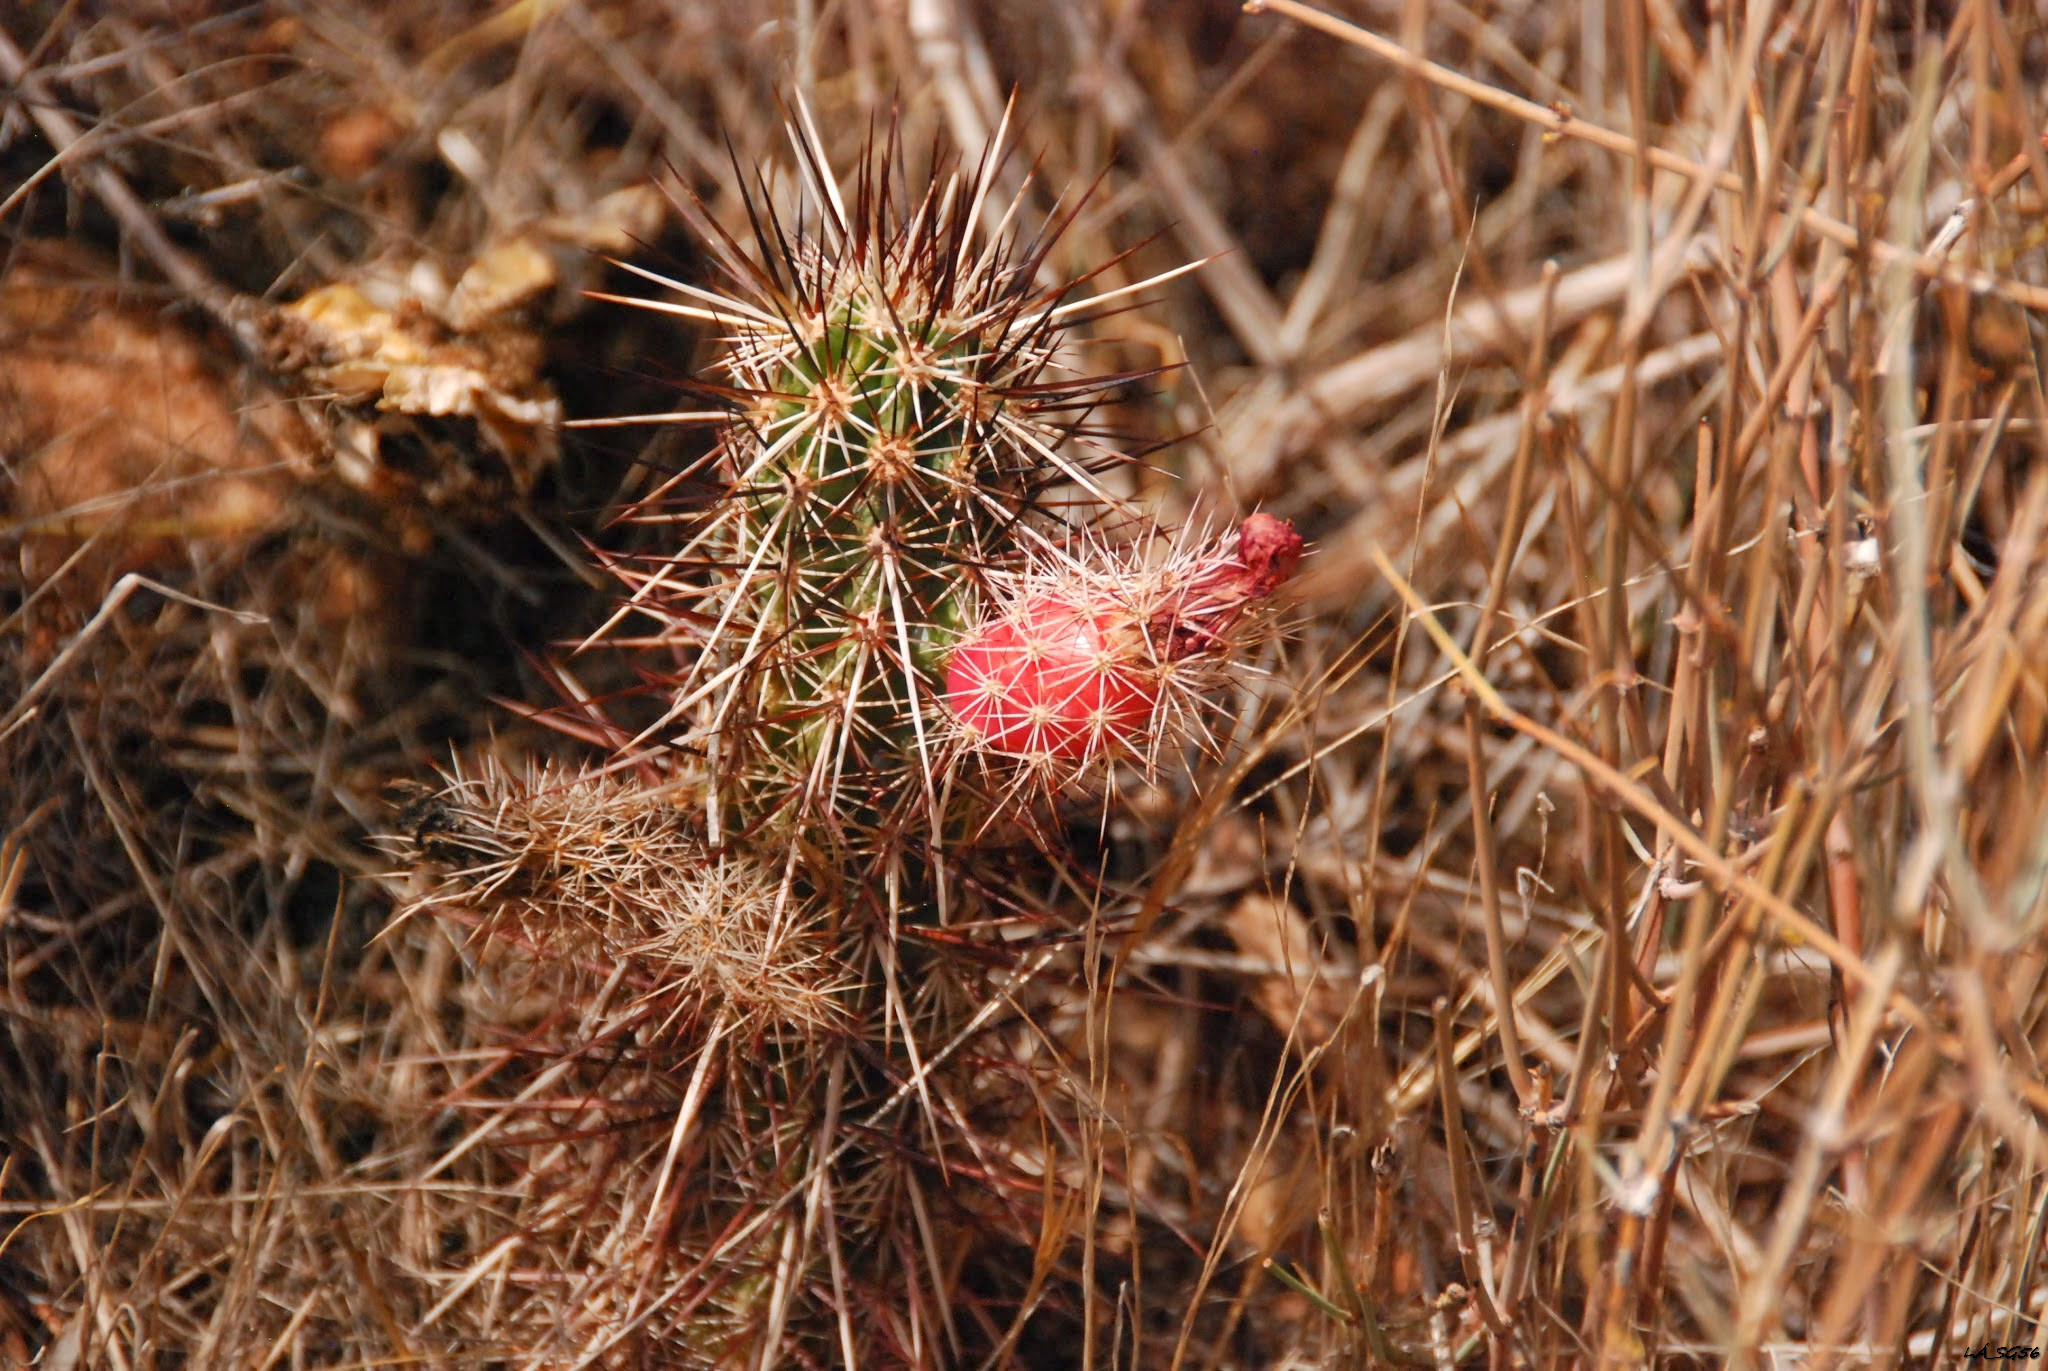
[{"x": 587, "y": 865}]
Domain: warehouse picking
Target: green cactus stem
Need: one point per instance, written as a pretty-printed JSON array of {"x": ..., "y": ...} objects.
[{"x": 897, "y": 425}]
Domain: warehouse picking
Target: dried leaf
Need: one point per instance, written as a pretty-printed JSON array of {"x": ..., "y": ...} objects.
[
  {"x": 1293, "y": 993},
  {"x": 114, "y": 413}
]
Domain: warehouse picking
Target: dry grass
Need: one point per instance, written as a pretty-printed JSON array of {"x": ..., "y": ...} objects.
[{"x": 1658, "y": 393}]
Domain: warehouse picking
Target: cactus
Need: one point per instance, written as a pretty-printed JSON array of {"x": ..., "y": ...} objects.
[
  {"x": 899, "y": 437},
  {"x": 895, "y": 432},
  {"x": 893, "y": 623}
]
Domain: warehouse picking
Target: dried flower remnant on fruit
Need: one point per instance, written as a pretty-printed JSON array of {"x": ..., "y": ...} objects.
[
  {"x": 1215, "y": 599},
  {"x": 1091, "y": 659}
]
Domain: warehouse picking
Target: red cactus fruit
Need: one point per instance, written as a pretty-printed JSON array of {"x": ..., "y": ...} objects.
[
  {"x": 1085, "y": 661},
  {"x": 1052, "y": 679}
]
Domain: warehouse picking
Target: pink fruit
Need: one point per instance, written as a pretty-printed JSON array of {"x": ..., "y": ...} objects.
[
  {"x": 1102, "y": 656},
  {"x": 1051, "y": 679}
]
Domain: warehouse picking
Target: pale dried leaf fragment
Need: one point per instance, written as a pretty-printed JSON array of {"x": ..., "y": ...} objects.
[
  {"x": 1295, "y": 989},
  {"x": 385, "y": 342},
  {"x": 404, "y": 339},
  {"x": 616, "y": 222},
  {"x": 505, "y": 276}
]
